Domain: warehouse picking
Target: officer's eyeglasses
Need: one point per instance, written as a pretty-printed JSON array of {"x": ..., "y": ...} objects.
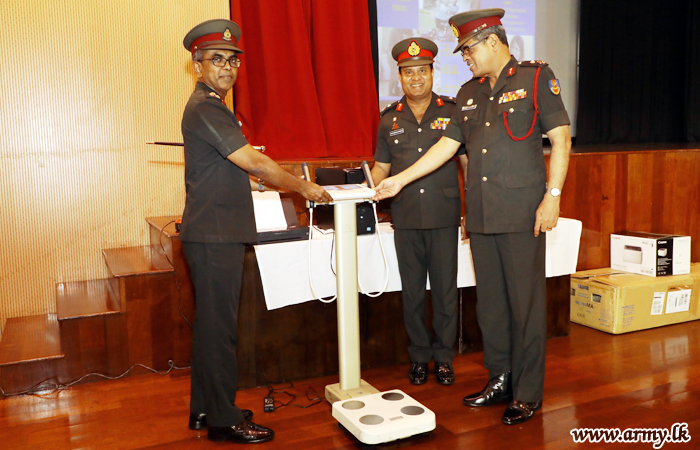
[
  {"x": 467, "y": 49},
  {"x": 220, "y": 61}
]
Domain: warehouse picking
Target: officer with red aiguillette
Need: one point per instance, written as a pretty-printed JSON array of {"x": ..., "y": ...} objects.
[{"x": 511, "y": 202}]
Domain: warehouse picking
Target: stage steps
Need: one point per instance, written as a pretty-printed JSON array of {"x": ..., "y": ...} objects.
[
  {"x": 106, "y": 325},
  {"x": 29, "y": 339},
  {"x": 86, "y": 299}
]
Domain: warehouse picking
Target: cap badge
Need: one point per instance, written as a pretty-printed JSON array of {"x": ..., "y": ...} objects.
[
  {"x": 414, "y": 49},
  {"x": 455, "y": 30},
  {"x": 227, "y": 35},
  {"x": 554, "y": 87}
]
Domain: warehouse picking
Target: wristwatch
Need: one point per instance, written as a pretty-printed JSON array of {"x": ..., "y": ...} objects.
[
  {"x": 261, "y": 185},
  {"x": 554, "y": 192}
]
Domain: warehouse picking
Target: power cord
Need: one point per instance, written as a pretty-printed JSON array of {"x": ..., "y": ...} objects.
[
  {"x": 177, "y": 284},
  {"x": 57, "y": 388},
  {"x": 311, "y": 280},
  {"x": 270, "y": 404},
  {"x": 386, "y": 264},
  {"x": 359, "y": 282}
]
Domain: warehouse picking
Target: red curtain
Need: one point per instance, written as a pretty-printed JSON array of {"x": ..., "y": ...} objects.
[{"x": 306, "y": 86}]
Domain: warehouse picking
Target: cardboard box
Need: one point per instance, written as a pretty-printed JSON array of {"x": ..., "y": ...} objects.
[
  {"x": 650, "y": 254},
  {"x": 619, "y": 302}
]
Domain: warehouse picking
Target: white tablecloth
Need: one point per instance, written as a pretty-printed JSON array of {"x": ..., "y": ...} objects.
[{"x": 285, "y": 274}]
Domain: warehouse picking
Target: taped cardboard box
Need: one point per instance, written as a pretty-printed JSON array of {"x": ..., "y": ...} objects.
[{"x": 619, "y": 302}]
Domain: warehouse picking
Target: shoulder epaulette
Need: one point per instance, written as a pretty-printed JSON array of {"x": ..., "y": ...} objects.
[
  {"x": 447, "y": 99},
  {"x": 470, "y": 80},
  {"x": 388, "y": 108},
  {"x": 533, "y": 63}
]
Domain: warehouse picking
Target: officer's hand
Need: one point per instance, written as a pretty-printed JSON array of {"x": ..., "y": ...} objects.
[
  {"x": 315, "y": 193},
  {"x": 463, "y": 228},
  {"x": 547, "y": 214},
  {"x": 389, "y": 187}
]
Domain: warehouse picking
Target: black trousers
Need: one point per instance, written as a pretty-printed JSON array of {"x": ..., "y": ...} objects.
[
  {"x": 217, "y": 272},
  {"x": 420, "y": 252},
  {"x": 511, "y": 307}
]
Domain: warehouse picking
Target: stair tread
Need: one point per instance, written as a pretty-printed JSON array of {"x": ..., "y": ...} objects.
[
  {"x": 30, "y": 338},
  {"x": 130, "y": 261},
  {"x": 85, "y": 299}
]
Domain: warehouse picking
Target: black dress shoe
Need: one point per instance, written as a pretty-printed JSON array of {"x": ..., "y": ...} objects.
[
  {"x": 444, "y": 373},
  {"x": 245, "y": 432},
  {"x": 418, "y": 373},
  {"x": 199, "y": 421},
  {"x": 497, "y": 389},
  {"x": 519, "y": 412}
]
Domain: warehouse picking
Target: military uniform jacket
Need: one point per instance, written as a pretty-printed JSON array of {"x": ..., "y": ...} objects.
[
  {"x": 506, "y": 179},
  {"x": 219, "y": 204},
  {"x": 432, "y": 201}
]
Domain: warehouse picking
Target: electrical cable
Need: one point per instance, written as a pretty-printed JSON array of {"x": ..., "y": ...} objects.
[
  {"x": 272, "y": 390},
  {"x": 57, "y": 388},
  {"x": 177, "y": 284},
  {"x": 311, "y": 281},
  {"x": 386, "y": 264}
]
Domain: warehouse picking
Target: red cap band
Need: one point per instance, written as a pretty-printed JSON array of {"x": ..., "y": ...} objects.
[
  {"x": 422, "y": 54},
  {"x": 478, "y": 25},
  {"x": 214, "y": 37}
]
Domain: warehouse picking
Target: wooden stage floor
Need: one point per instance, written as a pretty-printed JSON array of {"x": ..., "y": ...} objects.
[{"x": 647, "y": 379}]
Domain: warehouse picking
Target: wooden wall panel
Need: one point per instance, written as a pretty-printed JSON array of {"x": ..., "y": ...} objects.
[{"x": 652, "y": 191}]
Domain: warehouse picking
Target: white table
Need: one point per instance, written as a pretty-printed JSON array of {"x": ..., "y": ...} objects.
[{"x": 285, "y": 275}]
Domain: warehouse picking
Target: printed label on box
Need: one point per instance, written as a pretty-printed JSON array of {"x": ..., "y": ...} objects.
[
  {"x": 678, "y": 301},
  {"x": 657, "y": 305}
]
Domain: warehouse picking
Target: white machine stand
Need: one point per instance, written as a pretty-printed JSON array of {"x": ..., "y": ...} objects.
[
  {"x": 350, "y": 385},
  {"x": 373, "y": 417}
]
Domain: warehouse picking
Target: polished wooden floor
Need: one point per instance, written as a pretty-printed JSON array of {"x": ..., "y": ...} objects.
[{"x": 647, "y": 379}]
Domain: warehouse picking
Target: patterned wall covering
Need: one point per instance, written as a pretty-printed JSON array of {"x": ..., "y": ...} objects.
[{"x": 83, "y": 86}]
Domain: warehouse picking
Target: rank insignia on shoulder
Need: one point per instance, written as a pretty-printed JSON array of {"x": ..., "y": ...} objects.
[
  {"x": 439, "y": 102},
  {"x": 214, "y": 94},
  {"x": 533, "y": 63},
  {"x": 399, "y": 107},
  {"x": 388, "y": 108},
  {"x": 554, "y": 87},
  {"x": 440, "y": 123},
  {"x": 511, "y": 71}
]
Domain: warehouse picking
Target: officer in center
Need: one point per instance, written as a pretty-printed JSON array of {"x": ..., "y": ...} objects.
[{"x": 426, "y": 215}]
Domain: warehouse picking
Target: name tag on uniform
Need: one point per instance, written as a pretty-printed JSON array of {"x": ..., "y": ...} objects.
[
  {"x": 396, "y": 132},
  {"x": 468, "y": 108}
]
